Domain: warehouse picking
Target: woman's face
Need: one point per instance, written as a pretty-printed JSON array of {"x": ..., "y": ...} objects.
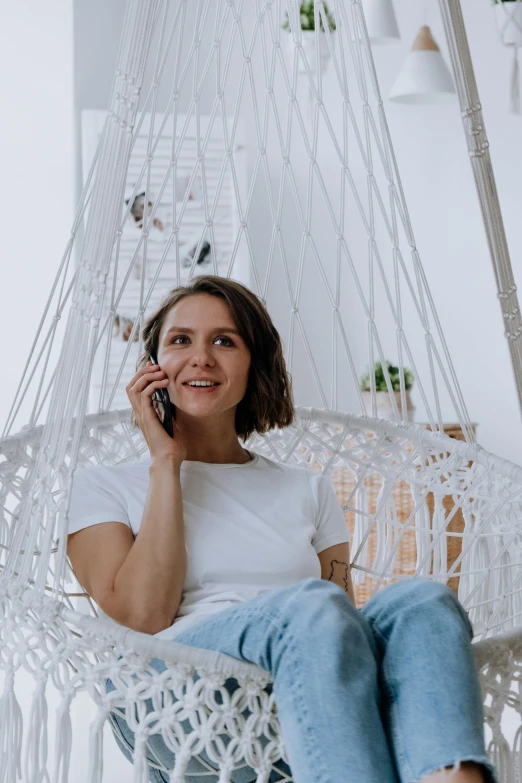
[{"x": 199, "y": 339}]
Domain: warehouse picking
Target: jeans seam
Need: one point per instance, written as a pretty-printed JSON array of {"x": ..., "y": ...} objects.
[
  {"x": 304, "y": 711},
  {"x": 399, "y": 747}
]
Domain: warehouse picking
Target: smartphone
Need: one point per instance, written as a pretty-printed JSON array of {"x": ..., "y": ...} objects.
[{"x": 161, "y": 397}]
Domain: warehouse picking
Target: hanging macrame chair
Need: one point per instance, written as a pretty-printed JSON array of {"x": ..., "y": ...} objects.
[{"x": 307, "y": 209}]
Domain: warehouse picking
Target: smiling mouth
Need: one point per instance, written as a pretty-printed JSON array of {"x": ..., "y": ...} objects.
[{"x": 202, "y": 388}]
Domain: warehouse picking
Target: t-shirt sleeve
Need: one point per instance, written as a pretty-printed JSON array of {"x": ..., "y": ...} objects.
[
  {"x": 94, "y": 499},
  {"x": 330, "y": 522}
]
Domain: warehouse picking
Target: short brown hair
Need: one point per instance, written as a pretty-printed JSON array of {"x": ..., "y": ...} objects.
[{"x": 268, "y": 400}]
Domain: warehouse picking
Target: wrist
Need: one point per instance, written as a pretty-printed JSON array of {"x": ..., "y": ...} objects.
[{"x": 165, "y": 462}]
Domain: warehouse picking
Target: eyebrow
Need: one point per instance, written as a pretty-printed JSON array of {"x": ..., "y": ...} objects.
[{"x": 188, "y": 330}]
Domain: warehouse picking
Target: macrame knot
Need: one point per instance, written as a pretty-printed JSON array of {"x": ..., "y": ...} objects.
[{"x": 252, "y": 688}]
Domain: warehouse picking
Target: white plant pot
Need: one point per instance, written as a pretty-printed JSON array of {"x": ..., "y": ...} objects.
[
  {"x": 384, "y": 405},
  {"x": 308, "y": 38},
  {"x": 509, "y": 21}
]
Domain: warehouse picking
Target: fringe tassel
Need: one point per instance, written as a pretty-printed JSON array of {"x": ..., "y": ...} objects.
[
  {"x": 483, "y": 594},
  {"x": 63, "y": 739},
  {"x": 503, "y": 578},
  {"x": 96, "y": 747},
  {"x": 35, "y": 760},
  {"x": 500, "y": 754},
  {"x": 514, "y": 106},
  {"x": 11, "y": 733},
  {"x": 178, "y": 774},
  {"x": 422, "y": 533},
  {"x": 139, "y": 759},
  {"x": 475, "y": 565},
  {"x": 440, "y": 550},
  {"x": 380, "y": 511},
  {"x": 517, "y": 754},
  {"x": 362, "y": 523},
  {"x": 392, "y": 534},
  {"x": 226, "y": 771},
  {"x": 465, "y": 567}
]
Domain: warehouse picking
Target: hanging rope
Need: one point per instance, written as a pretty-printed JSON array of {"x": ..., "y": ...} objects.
[{"x": 482, "y": 166}]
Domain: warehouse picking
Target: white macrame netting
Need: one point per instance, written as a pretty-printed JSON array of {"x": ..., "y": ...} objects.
[{"x": 281, "y": 160}]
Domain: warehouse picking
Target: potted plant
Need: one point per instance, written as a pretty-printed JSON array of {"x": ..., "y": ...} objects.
[
  {"x": 509, "y": 21},
  {"x": 308, "y": 35},
  {"x": 384, "y": 404}
]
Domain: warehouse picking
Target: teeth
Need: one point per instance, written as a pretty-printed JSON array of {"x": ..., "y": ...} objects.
[{"x": 201, "y": 383}]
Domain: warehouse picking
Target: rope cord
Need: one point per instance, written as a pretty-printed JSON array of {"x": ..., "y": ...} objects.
[{"x": 478, "y": 145}]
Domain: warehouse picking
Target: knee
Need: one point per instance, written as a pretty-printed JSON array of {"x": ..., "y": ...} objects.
[
  {"x": 315, "y": 603},
  {"x": 425, "y": 597},
  {"x": 310, "y": 592},
  {"x": 420, "y": 588},
  {"x": 319, "y": 615}
]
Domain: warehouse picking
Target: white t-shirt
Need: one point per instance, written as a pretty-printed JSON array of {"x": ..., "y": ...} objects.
[{"x": 249, "y": 528}]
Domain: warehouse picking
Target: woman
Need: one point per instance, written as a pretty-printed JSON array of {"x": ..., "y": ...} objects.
[{"x": 250, "y": 557}]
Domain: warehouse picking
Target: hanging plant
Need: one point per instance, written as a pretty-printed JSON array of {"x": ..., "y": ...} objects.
[
  {"x": 380, "y": 380},
  {"x": 307, "y": 17},
  {"x": 308, "y": 37},
  {"x": 383, "y": 398}
]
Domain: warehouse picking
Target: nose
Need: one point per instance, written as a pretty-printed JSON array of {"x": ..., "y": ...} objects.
[{"x": 201, "y": 355}]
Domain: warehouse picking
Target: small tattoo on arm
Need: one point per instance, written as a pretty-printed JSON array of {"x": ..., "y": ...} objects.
[{"x": 340, "y": 570}]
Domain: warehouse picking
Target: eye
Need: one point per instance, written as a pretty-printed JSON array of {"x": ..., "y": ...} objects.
[{"x": 184, "y": 337}]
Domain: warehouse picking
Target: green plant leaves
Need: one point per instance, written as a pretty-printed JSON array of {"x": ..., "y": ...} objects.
[
  {"x": 380, "y": 380},
  {"x": 307, "y": 19}
]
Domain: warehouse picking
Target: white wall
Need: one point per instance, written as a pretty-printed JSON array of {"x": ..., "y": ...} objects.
[
  {"x": 37, "y": 196},
  {"x": 36, "y": 154}
]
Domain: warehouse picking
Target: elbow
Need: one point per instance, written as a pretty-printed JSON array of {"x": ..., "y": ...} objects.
[
  {"x": 149, "y": 624},
  {"x": 153, "y": 627},
  {"x": 152, "y": 624},
  {"x": 143, "y": 623},
  {"x": 137, "y": 619}
]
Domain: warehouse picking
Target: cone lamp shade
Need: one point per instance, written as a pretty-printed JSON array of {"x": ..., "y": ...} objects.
[
  {"x": 425, "y": 77},
  {"x": 381, "y": 21}
]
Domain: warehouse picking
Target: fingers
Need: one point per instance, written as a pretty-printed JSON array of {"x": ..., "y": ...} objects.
[
  {"x": 142, "y": 387},
  {"x": 147, "y": 380},
  {"x": 145, "y": 370},
  {"x": 143, "y": 378},
  {"x": 149, "y": 390}
]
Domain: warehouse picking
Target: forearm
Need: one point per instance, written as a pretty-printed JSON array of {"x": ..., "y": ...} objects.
[{"x": 149, "y": 584}]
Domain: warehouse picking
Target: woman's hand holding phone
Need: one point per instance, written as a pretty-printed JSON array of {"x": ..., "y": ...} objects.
[{"x": 140, "y": 391}]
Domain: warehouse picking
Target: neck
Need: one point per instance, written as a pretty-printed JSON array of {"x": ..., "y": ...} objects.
[
  {"x": 211, "y": 441},
  {"x": 218, "y": 457}
]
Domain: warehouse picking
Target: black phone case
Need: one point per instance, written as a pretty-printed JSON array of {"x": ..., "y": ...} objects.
[{"x": 162, "y": 396}]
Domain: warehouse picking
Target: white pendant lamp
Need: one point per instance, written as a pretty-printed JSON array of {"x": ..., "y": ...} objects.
[
  {"x": 380, "y": 21},
  {"x": 425, "y": 77}
]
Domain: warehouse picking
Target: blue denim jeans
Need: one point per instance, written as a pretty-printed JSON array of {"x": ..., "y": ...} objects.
[{"x": 381, "y": 694}]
